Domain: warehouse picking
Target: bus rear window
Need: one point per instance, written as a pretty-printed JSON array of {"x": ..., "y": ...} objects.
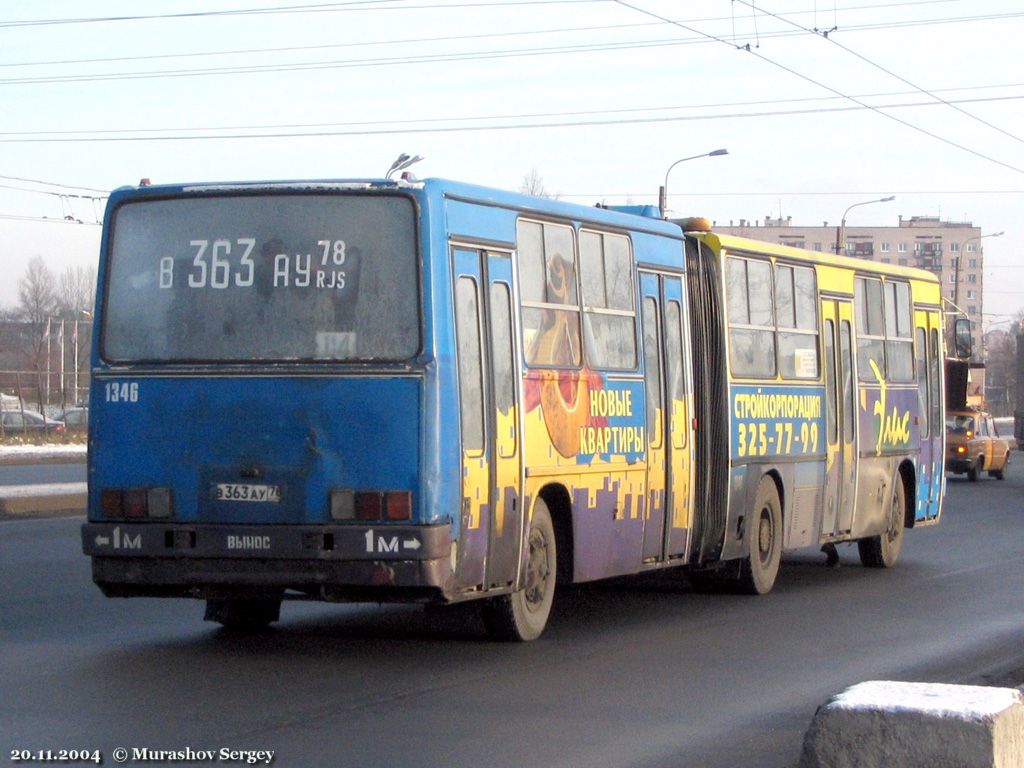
[{"x": 271, "y": 277}]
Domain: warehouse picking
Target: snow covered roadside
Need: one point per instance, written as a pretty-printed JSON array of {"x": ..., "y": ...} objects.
[
  {"x": 57, "y": 453},
  {"x": 42, "y": 500}
]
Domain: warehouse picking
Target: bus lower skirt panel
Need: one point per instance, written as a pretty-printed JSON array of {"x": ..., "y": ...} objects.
[{"x": 417, "y": 581}]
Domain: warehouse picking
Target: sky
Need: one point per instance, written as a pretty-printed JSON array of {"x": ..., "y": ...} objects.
[{"x": 820, "y": 105}]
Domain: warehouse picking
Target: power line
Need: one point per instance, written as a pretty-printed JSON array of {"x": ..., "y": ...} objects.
[
  {"x": 61, "y": 195},
  {"x": 52, "y": 184},
  {"x": 866, "y": 60},
  {"x": 820, "y": 84},
  {"x": 504, "y": 116},
  {"x": 450, "y": 38},
  {"x": 804, "y": 193},
  {"x": 479, "y": 128},
  {"x": 14, "y": 217},
  {"x": 355, "y": 5},
  {"x": 446, "y": 57},
  {"x": 333, "y": 46}
]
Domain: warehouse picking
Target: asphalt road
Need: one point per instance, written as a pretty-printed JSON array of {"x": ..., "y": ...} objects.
[
  {"x": 42, "y": 474},
  {"x": 639, "y": 673}
]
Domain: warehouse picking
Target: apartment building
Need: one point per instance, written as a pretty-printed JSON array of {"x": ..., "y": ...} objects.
[{"x": 950, "y": 249}]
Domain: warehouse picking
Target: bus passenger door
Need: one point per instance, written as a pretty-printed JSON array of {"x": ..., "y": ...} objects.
[
  {"x": 488, "y": 550},
  {"x": 840, "y": 418},
  {"x": 666, "y": 380}
]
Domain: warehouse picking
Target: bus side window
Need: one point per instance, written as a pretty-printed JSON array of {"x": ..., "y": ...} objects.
[
  {"x": 870, "y": 317},
  {"x": 609, "y": 320},
  {"x": 504, "y": 367},
  {"x": 751, "y": 321},
  {"x": 796, "y": 310},
  {"x": 899, "y": 352},
  {"x": 546, "y": 258},
  {"x": 471, "y": 385},
  {"x": 923, "y": 409},
  {"x": 652, "y": 372},
  {"x": 935, "y": 379}
]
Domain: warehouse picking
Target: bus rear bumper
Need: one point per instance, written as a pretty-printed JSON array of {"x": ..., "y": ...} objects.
[{"x": 326, "y": 562}]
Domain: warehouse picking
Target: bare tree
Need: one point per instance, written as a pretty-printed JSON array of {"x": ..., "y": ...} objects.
[
  {"x": 1001, "y": 363},
  {"x": 76, "y": 291},
  {"x": 533, "y": 184},
  {"x": 37, "y": 301}
]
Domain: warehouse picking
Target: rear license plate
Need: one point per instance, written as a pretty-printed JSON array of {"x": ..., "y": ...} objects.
[{"x": 246, "y": 492}]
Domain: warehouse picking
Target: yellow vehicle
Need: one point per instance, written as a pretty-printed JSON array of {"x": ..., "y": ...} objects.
[{"x": 973, "y": 445}]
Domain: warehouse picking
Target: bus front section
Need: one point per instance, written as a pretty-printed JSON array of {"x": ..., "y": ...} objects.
[{"x": 259, "y": 379}]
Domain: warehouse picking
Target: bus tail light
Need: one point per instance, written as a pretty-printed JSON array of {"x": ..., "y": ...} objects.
[
  {"x": 368, "y": 505},
  {"x": 347, "y": 504},
  {"x": 136, "y": 503},
  {"x": 398, "y": 505}
]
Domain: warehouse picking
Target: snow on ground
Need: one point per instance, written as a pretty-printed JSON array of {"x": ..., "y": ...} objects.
[
  {"x": 965, "y": 702},
  {"x": 29, "y": 452},
  {"x": 49, "y": 489}
]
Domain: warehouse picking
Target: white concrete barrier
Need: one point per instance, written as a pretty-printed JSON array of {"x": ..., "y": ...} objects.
[{"x": 882, "y": 724}]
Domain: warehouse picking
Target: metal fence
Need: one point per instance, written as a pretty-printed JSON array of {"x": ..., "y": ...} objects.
[{"x": 46, "y": 393}]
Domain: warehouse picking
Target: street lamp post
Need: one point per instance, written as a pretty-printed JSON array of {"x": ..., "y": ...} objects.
[
  {"x": 956, "y": 265},
  {"x": 663, "y": 190},
  {"x": 840, "y": 230}
]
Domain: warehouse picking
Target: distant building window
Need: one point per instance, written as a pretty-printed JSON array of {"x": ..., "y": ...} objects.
[
  {"x": 884, "y": 247},
  {"x": 972, "y": 310},
  {"x": 970, "y": 294},
  {"x": 972, "y": 263},
  {"x": 952, "y": 278},
  {"x": 972, "y": 247},
  {"x": 817, "y": 246},
  {"x": 902, "y": 247},
  {"x": 954, "y": 247},
  {"x": 972, "y": 278}
]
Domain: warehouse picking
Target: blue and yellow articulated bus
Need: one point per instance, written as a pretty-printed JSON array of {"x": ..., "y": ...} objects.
[{"x": 435, "y": 392}]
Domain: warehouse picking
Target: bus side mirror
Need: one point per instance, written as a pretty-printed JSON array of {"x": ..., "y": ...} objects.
[{"x": 962, "y": 340}]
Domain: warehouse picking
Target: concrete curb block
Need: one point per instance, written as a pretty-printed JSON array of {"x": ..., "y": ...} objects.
[
  {"x": 29, "y": 500},
  {"x": 917, "y": 725}
]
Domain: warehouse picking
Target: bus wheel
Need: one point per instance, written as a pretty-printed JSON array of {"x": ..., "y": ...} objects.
[
  {"x": 758, "y": 571},
  {"x": 523, "y": 614},
  {"x": 243, "y": 614},
  {"x": 883, "y": 551}
]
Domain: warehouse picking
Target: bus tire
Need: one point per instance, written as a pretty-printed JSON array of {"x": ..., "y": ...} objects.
[
  {"x": 523, "y": 615},
  {"x": 882, "y": 551},
  {"x": 761, "y": 567},
  {"x": 243, "y": 614}
]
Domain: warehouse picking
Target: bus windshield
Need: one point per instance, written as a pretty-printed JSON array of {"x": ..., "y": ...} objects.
[{"x": 263, "y": 278}]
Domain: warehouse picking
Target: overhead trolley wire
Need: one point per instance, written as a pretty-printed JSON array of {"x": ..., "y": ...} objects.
[
  {"x": 820, "y": 84},
  {"x": 353, "y": 5},
  {"x": 831, "y": 39},
  {"x": 524, "y": 116},
  {"x": 22, "y": 139},
  {"x": 412, "y": 59},
  {"x": 53, "y": 184}
]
